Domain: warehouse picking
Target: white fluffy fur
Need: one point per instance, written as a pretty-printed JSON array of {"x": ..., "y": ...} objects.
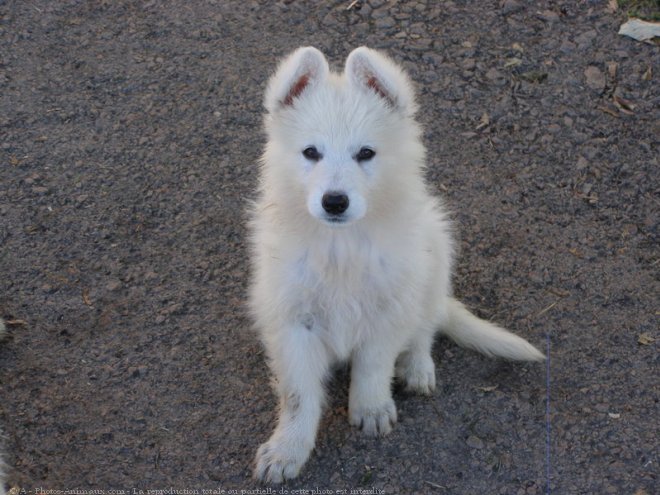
[{"x": 372, "y": 285}]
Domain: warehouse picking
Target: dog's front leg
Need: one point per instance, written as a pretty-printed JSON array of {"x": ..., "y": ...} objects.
[
  {"x": 370, "y": 403},
  {"x": 300, "y": 363}
]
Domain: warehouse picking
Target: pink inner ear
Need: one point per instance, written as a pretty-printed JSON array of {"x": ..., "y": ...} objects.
[
  {"x": 373, "y": 83},
  {"x": 296, "y": 89}
]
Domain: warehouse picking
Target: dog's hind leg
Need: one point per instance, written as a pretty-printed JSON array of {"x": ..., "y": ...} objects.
[
  {"x": 301, "y": 363},
  {"x": 415, "y": 367}
]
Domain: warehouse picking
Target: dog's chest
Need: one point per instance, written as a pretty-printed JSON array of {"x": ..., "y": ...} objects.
[
  {"x": 344, "y": 290},
  {"x": 341, "y": 267}
]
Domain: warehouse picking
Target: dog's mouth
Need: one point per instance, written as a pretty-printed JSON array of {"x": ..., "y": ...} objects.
[{"x": 336, "y": 220}]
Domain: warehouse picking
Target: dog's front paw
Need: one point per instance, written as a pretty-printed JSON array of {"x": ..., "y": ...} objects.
[
  {"x": 418, "y": 374},
  {"x": 374, "y": 420},
  {"x": 277, "y": 460}
]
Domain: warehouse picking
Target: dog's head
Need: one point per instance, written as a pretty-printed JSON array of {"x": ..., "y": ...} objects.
[{"x": 348, "y": 143}]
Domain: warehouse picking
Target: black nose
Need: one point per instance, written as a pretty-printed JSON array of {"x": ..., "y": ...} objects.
[{"x": 334, "y": 202}]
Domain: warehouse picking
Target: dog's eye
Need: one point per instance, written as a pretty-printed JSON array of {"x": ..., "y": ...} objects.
[
  {"x": 365, "y": 154},
  {"x": 311, "y": 153}
]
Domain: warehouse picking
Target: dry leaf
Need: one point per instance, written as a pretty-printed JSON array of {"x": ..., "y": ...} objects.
[
  {"x": 487, "y": 389},
  {"x": 640, "y": 30},
  {"x": 546, "y": 309},
  {"x": 559, "y": 292},
  {"x": 85, "y": 297},
  {"x": 534, "y": 76},
  {"x": 624, "y": 105},
  {"x": 648, "y": 74},
  {"x": 609, "y": 110},
  {"x": 21, "y": 323},
  {"x": 517, "y": 47},
  {"x": 611, "y": 69},
  {"x": 645, "y": 339},
  {"x": 512, "y": 62},
  {"x": 576, "y": 252},
  {"x": 612, "y": 6},
  {"x": 484, "y": 122}
]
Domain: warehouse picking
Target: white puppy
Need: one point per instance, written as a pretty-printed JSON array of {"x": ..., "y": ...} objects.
[{"x": 352, "y": 256}]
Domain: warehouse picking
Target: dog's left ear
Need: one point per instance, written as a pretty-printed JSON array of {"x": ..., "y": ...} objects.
[{"x": 371, "y": 71}]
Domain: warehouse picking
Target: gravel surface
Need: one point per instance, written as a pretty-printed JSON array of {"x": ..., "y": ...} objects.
[{"x": 129, "y": 137}]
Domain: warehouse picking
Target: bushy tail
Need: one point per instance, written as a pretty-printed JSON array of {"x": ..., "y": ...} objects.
[{"x": 474, "y": 333}]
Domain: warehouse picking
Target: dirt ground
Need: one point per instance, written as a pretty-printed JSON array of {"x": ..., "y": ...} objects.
[{"x": 129, "y": 138}]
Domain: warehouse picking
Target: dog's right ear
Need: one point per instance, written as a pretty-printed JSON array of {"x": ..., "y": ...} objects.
[{"x": 299, "y": 72}]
